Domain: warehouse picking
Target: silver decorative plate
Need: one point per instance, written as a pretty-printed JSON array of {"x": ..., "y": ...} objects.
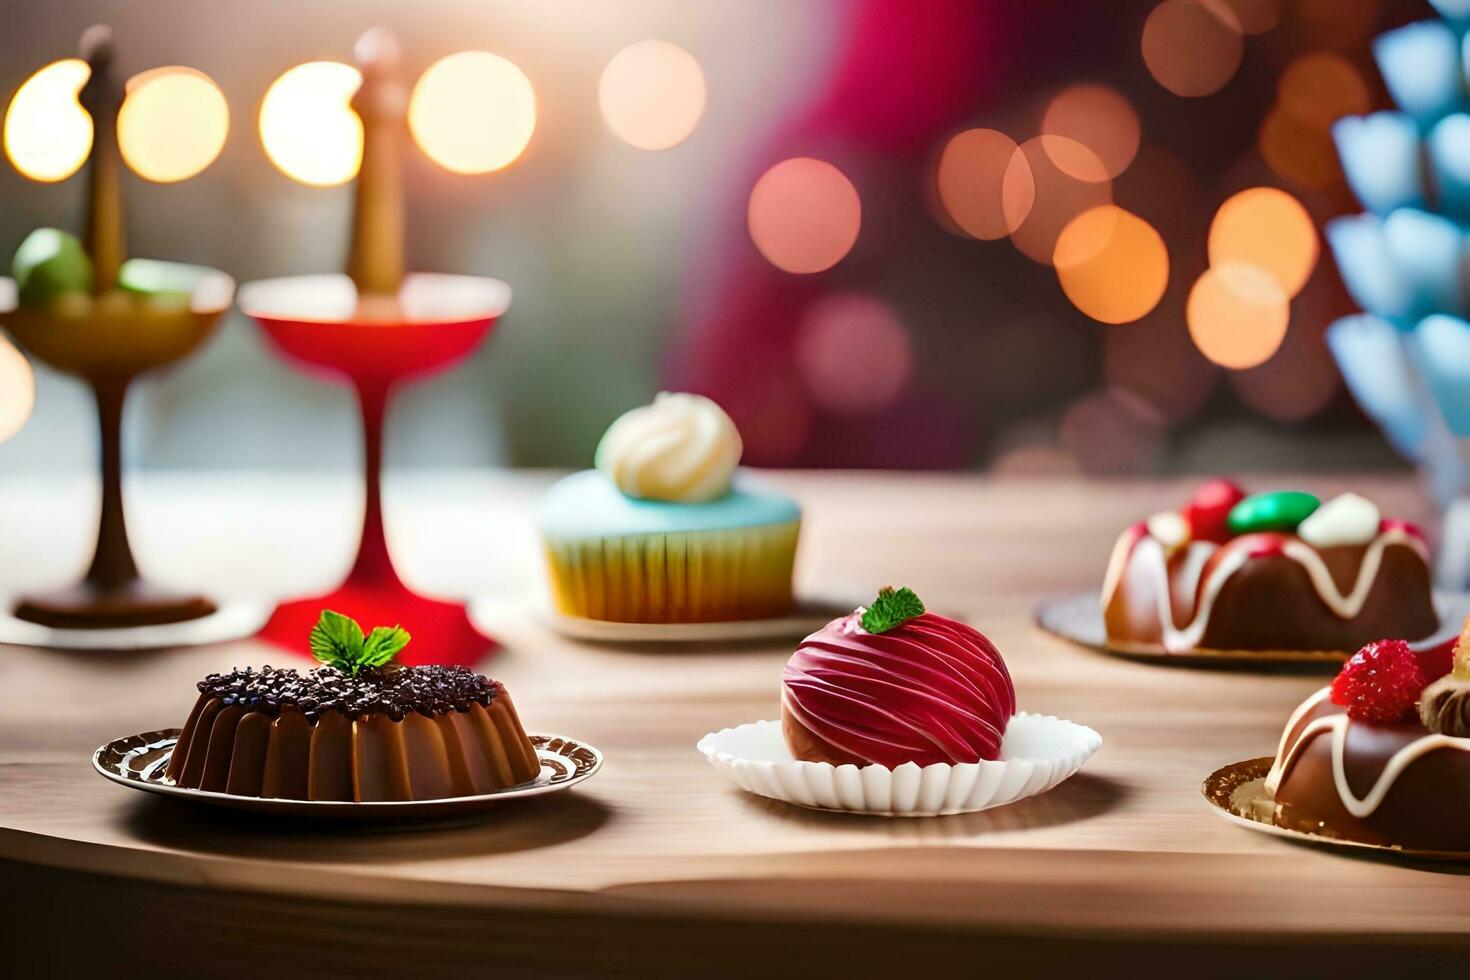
[
  {"x": 138, "y": 762},
  {"x": 1078, "y": 618}
]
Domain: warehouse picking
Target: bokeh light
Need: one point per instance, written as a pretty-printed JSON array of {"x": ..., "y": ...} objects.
[
  {"x": 1257, "y": 16},
  {"x": 1039, "y": 197},
  {"x": 47, "y": 132},
  {"x": 852, "y": 352},
  {"x": 1112, "y": 431},
  {"x": 1238, "y": 314},
  {"x": 1112, "y": 264},
  {"x": 1100, "y": 119},
  {"x": 473, "y": 112},
  {"x": 172, "y": 124},
  {"x": 1268, "y": 228},
  {"x": 17, "y": 389},
  {"x": 652, "y": 94},
  {"x": 1299, "y": 150},
  {"x": 804, "y": 215},
  {"x": 308, "y": 128},
  {"x": 1321, "y": 87},
  {"x": 1295, "y": 384},
  {"x": 972, "y": 171},
  {"x": 1156, "y": 360},
  {"x": 1192, "y": 47}
]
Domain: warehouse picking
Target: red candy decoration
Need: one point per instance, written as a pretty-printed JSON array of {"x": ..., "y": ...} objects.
[
  {"x": 1380, "y": 683},
  {"x": 1209, "y": 508}
]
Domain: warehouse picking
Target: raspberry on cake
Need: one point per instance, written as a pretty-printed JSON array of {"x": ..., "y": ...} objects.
[
  {"x": 360, "y": 728},
  {"x": 1270, "y": 572},
  {"x": 1358, "y": 762}
]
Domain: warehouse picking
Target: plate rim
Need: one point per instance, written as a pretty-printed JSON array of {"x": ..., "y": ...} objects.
[
  {"x": 326, "y": 807},
  {"x": 1151, "y": 652},
  {"x": 819, "y": 609},
  {"x": 1315, "y": 840}
]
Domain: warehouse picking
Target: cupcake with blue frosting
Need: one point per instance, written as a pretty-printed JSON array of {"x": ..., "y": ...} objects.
[{"x": 667, "y": 528}]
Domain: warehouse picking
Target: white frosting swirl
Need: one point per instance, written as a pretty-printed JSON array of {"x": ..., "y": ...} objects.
[{"x": 681, "y": 448}]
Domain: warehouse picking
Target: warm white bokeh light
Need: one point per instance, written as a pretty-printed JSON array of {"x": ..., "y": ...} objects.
[
  {"x": 473, "y": 112},
  {"x": 47, "y": 132},
  {"x": 971, "y": 178},
  {"x": 17, "y": 389},
  {"x": 307, "y": 126},
  {"x": 172, "y": 124},
  {"x": 1268, "y": 228},
  {"x": 1238, "y": 314},
  {"x": 804, "y": 215},
  {"x": 652, "y": 94}
]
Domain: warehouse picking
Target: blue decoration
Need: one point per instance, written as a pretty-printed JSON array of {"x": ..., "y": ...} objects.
[{"x": 588, "y": 504}]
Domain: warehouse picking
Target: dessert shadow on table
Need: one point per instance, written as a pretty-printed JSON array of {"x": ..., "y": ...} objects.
[
  {"x": 1082, "y": 797},
  {"x": 520, "y": 826}
]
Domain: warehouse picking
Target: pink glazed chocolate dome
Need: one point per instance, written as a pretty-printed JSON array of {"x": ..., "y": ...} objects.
[{"x": 894, "y": 684}]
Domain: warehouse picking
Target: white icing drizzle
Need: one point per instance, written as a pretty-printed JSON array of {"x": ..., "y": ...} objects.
[
  {"x": 1187, "y": 638},
  {"x": 1337, "y": 725}
]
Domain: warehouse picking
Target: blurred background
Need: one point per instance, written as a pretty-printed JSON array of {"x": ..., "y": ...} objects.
[{"x": 945, "y": 234}]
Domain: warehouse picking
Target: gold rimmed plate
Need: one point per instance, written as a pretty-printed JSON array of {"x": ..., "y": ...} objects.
[
  {"x": 1078, "y": 618},
  {"x": 1237, "y": 793},
  {"x": 138, "y": 762}
]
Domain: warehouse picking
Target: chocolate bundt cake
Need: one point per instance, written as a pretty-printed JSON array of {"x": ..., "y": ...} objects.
[{"x": 359, "y": 729}]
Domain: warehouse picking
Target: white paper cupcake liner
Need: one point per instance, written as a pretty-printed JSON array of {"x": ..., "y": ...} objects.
[{"x": 1037, "y": 753}]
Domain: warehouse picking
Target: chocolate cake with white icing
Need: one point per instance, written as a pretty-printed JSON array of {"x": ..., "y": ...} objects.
[
  {"x": 1270, "y": 572},
  {"x": 1380, "y": 757}
]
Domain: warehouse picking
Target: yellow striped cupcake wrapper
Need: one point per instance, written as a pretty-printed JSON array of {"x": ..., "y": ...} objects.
[{"x": 688, "y": 577}]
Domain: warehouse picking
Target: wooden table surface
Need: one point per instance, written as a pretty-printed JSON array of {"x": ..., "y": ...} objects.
[{"x": 657, "y": 866}]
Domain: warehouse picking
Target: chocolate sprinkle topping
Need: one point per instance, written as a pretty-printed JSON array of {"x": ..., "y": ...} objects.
[{"x": 394, "y": 690}]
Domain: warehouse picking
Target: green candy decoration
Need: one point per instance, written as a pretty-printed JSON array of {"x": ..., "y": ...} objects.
[
  {"x": 48, "y": 264},
  {"x": 174, "y": 281},
  {"x": 1280, "y": 511}
]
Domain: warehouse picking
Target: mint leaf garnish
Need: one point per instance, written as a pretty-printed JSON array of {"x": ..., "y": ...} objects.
[
  {"x": 891, "y": 608},
  {"x": 337, "y": 641},
  {"x": 383, "y": 644}
]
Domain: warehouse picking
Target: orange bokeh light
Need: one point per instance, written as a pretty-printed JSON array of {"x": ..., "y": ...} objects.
[
  {"x": 1299, "y": 150},
  {"x": 971, "y": 177},
  {"x": 1039, "y": 196},
  {"x": 1268, "y": 228},
  {"x": 1192, "y": 47},
  {"x": 1098, "y": 118},
  {"x": 1257, "y": 16},
  {"x": 804, "y": 215},
  {"x": 852, "y": 351},
  {"x": 1112, "y": 264},
  {"x": 1238, "y": 314},
  {"x": 1319, "y": 88},
  {"x": 47, "y": 132}
]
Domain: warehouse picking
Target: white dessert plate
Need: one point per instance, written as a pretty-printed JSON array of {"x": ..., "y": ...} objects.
[
  {"x": 1237, "y": 793},
  {"x": 1037, "y": 753},
  {"x": 233, "y": 620},
  {"x": 138, "y": 762},
  {"x": 1079, "y": 618},
  {"x": 809, "y": 616}
]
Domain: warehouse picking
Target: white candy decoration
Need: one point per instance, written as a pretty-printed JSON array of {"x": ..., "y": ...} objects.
[
  {"x": 1348, "y": 519},
  {"x": 1170, "y": 528}
]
